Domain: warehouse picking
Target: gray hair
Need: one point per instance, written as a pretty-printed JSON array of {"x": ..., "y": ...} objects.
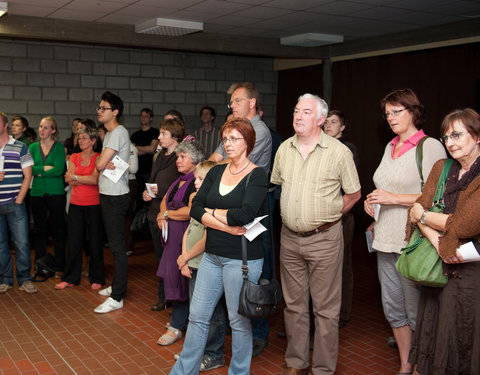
[
  {"x": 322, "y": 106},
  {"x": 91, "y": 132},
  {"x": 193, "y": 148}
]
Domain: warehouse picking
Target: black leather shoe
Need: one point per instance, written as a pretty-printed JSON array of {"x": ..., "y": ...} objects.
[
  {"x": 258, "y": 346},
  {"x": 159, "y": 306}
]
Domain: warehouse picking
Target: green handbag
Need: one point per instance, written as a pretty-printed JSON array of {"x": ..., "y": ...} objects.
[{"x": 419, "y": 260}]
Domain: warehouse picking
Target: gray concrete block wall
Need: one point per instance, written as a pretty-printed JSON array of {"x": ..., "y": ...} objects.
[{"x": 40, "y": 79}]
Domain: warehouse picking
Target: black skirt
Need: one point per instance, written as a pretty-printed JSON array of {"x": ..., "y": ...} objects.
[{"x": 447, "y": 336}]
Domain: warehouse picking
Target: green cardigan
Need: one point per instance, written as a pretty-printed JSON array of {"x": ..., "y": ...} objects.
[
  {"x": 25, "y": 140},
  {"x": 51, "y": 181}
]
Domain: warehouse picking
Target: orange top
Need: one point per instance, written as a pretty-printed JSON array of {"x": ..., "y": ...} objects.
[{"x": 84, "y": 195}]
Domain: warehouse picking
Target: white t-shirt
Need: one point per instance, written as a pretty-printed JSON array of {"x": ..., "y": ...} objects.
[{"x": 119, "y": 140}]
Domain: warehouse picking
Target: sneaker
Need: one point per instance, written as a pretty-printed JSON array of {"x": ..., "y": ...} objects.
[
  {"x": 28, "y": 287},
  {"x": 106, "y": 292},
  {"x": 4, "y": 288},
  {"x": 210, "y": 364},
  {"x": 109, "y": 305}
]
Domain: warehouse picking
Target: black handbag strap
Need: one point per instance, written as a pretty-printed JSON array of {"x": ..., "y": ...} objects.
[{"x": 244, "y": 245}]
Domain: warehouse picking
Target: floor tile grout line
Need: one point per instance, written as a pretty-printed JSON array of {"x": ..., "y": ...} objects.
[{"x": 41, "y": 334}]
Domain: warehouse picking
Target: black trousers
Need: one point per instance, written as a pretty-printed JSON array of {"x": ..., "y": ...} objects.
[
  {"x": 50, "y": 207},
  {"x": 85, "y": 229},
  {"x": 114, "y": 211}
]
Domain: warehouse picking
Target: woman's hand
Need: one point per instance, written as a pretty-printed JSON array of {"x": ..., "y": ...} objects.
[
  {"x": 371, "y": 228},
  {"x": 161, "y": 222},
  {"x": 416, "y": 213},
  {"x": 236, "y": 231},
  {"x": 454, "y": 259},
  {"x": 380, "y": 196},
  {"x": 146, "y": 197},
  {"x": 181, "y": 261},
  {"x": 69, "y": 177},
  {"x": 47, "y": 167},
  {"x": 186, "y": 271},
  {"x": 368, "y": 207}
]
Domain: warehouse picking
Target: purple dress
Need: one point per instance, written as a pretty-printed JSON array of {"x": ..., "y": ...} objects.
[{"x": 175, "y": 284}]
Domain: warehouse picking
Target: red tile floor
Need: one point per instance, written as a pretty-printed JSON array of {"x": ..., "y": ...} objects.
[{"x": 57, "y": 332}]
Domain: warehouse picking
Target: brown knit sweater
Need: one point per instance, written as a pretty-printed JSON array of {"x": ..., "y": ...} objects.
[{"x": 464, "y": 224}]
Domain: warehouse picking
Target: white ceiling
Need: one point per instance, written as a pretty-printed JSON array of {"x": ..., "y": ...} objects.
[{"x": 263, "y": 18}]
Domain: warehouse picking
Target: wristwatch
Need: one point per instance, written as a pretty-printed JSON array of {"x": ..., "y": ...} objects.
[
  {"x": 76, "y": 178},
  {"x": 423, "y": 218},
  {"x": 165, "y": 214}
]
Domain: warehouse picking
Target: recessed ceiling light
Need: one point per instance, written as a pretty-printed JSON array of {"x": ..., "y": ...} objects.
[{"x": 311, "y": 40}]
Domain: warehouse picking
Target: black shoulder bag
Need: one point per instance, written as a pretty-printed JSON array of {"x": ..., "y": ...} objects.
[{"x": 257, "y": 300}]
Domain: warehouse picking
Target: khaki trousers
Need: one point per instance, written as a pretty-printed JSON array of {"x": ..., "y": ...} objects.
[{"x": 312, "y": 265}]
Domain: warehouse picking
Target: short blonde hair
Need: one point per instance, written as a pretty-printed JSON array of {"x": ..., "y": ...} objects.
[
  {"x": 204, "y": 167},
  {"x": 4, "y": 117}
]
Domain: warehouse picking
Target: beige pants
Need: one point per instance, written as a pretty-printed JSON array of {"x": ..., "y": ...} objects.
[{"x": 312, "y": 264}]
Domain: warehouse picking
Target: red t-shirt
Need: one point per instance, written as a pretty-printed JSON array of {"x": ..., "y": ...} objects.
[{"x": 84, "y": 195}]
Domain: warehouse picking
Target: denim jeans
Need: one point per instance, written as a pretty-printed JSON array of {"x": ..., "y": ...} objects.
[
  {"x": 216, "y": 332},
  {"x": 114, "y": 211},
  {"x": 14, "y": 217},
  {"x": 216, "y": 275}
]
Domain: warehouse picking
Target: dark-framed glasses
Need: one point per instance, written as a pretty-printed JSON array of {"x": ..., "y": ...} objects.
[
  {"x": 103, "y": 109},
  {"x": 454, "y": 136},
  {"x": 394, "y": 114}
]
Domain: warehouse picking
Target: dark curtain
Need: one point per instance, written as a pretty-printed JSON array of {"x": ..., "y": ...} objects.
[
  {"x": 291, "y": 84},
  {"x": 444, "y": 79}
]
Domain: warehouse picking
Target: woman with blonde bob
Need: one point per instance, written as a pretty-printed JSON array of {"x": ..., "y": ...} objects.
[
  {"x": 447, "y": 338},
  {"x": 224, "y": 204}
]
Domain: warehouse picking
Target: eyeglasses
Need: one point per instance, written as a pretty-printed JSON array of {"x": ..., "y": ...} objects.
[
  {"x": 394, "y": 114},
  {"x": 455, "y": 136},
  {"x": 103, "y": 109},
  {"x": 232, "y": 140},
  {"x": 236, "y": 101}
]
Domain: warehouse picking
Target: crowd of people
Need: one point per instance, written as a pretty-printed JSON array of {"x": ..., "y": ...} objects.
[{"x": 87, "y": 191}]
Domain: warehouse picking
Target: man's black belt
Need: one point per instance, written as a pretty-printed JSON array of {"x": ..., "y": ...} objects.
[{"x": 321, "y": 228}]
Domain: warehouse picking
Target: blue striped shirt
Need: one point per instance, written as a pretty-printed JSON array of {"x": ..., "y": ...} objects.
[{"x": 16, "y": 158}]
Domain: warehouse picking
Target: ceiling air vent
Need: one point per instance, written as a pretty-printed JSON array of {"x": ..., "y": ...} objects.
[{"x": 168, "y": 27}]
